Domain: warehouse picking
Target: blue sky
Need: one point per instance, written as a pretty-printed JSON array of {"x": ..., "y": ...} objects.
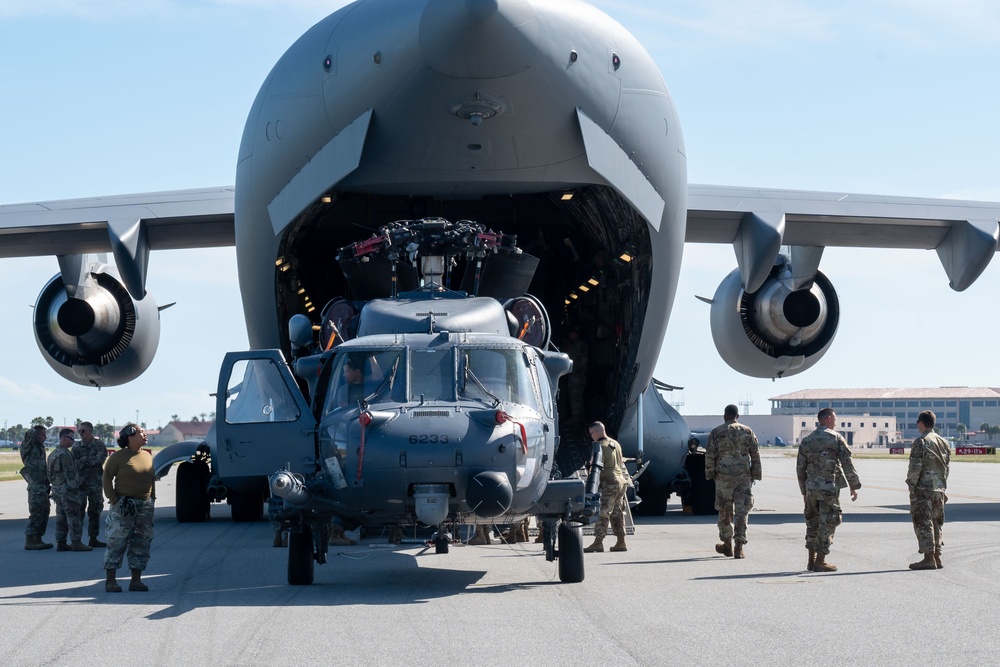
[{"x": 883, "y": 96}]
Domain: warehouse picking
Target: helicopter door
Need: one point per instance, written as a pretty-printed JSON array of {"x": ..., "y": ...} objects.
[{"x": 263, "y": 421}]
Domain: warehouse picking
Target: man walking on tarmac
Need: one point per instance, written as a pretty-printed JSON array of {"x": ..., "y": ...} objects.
[
  {"x": 732, "y": 459},
  {"x": 614, "y": 484}
]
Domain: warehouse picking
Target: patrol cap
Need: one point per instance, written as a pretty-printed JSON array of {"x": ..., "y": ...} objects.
[
  {"x": 732, "y": 411},
  {"x": 66, "y": 432}
]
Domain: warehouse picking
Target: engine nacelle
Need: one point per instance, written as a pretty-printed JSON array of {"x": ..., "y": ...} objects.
[
  {"x": 100, "y": 336},
  {"x": 774, "y": 332}
]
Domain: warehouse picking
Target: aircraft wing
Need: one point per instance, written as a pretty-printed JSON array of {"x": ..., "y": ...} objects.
[
  {"x": 759, "y": 221},
  {"x": 201, "y": 218}
]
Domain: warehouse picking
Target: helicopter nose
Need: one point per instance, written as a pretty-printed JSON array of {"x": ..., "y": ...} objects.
[
  {"x": 489, "y": 494},
  {"x": 478, "y": 39}
]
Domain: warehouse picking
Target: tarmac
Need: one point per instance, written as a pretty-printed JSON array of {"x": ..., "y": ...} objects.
[{"x": 218, "y": 593}]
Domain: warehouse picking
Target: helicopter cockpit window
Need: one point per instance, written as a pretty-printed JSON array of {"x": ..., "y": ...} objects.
[
  {"x": 432, "y": 374},
  {"x": 257, "y": 393},
  {"x": 496, "y": 375},
  {"x": 365, "y": 375}
]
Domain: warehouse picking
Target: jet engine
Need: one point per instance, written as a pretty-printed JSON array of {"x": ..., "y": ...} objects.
[
  {"x": 95, "y": 333},
  {"x": 776, "y": 331}
]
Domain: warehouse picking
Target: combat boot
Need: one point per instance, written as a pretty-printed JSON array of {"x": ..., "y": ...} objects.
[
  {"x": 596, "y": 547},
  {"x": 482, "y": 536},
  {"x": 136, "y": 583},
  {"x": 725, "y": 548},
  {"x": 811, "y": 563},
  {"x": 620, "y": 544},
  {"x": 77, "y": 545},
  {"x": 110, "y": 585},
  {"x": 738, "y": 551},
  {"x": 927, "y": 563},
  {"x": 280, "y": 539},
  {"x": 96, "y": 543},
  {"x": 820, "y": 565},
  {"x": 937, "y": 559},
  {"x": 34, "y": 543},
  {"x": 62, "y": 546}
]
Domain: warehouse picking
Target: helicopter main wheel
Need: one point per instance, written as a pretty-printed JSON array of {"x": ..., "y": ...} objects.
[
  {"x": 570, "y": 553},
  {"x": 300, "y": 557}
]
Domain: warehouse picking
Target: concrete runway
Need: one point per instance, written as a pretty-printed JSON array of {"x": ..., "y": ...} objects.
[{"x": 218, "y": 594}]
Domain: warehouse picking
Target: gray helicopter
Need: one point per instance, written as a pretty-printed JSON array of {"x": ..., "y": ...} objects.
[{"x": 431, "y": 406}]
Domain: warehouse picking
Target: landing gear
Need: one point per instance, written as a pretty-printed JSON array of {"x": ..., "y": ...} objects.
[
  {"x": 300, "y": 557},
  {"x": 193, "y": 504},
  {"x": 570, "y": 553},
  {"x": 442, "y": 541},
  {"x": 654, "y": 500},
  {"x": 701, "y": 494}
]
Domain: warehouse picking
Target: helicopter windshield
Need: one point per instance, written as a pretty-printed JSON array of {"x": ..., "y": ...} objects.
[
  {"x": 365, "y": 376},
  {"x": 497, "y": 376}
]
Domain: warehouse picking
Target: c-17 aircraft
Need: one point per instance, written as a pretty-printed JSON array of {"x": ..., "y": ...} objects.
[{"x": 544, "y": 120}]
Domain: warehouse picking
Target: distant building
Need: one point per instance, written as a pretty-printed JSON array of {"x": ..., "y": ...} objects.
[
  {"x": 969, "y": 406},
  {"x": 858, "y": 430},
  {"x": 177, "y": 431}
]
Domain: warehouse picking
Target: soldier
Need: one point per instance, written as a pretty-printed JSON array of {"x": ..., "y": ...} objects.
[
  {"x": 614, "y": 484},
  {"x": 732, "y": 459},
  {"x": 90, "y": 454},
  {"x": 821, "y": 454},
  {"x": 927, "y": 478},
  {"x": 131, "y": 490},
  {"x": 65, "y": 480},
  {"x": 36, "y": 475}
]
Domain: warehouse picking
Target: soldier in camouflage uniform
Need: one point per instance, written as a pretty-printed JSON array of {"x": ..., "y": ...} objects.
[
  {"x": 90, "y": 454},
  {"x": 614, "y": 483},
  {"x": 732, "y": 459},
  {"x": 36, "y": 475},
  {"x": 927, "y": 478},
  {"x": 65, "y": 480},
  {"x": 131, "y": 491},
  {"x": 822, "y": 454}
]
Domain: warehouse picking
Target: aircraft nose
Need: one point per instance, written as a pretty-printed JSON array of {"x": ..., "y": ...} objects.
[{"x": 478, "y": 39}]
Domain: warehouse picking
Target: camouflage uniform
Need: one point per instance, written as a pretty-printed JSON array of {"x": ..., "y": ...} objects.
[
  {"x": 66, "y": 492},
  {"x": 927, "y": 478},
  {"x": 36, "y": 475},
  {"x": 614, "y": 484},
  {"x": 129, "y": 524},
  {"x": 821, "y": 455},
  {"x": 129, "y": 529},
  {"x": 732, "y": 459},
  {"x": 90, "y": 459}
]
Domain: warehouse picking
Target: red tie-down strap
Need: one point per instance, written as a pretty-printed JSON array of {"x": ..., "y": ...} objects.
[
  {"x": 365, "y": 418},
  {"x": 502, "y": 418}
]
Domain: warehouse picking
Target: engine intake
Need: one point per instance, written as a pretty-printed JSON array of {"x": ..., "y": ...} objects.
[
  {"x": 775, "y": 331},
  {"x": 98, "y": 336}
]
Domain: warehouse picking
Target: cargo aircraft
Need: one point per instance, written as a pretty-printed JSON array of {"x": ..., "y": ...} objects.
[{"x": 543, "y": 121}]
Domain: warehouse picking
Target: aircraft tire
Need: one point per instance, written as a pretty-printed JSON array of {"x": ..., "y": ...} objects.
[
  {"x": 300, "y": 557},
  {"x": 192, "y": 502},
  {"x": 570, "y": 553},
  {"x": 441, "y": 545},
  {"x": 246, "y": 507}
]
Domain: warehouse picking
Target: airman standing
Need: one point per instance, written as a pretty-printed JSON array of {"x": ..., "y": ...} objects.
[
  {"x": 90, "y": 454},
  {"x": 927, "y": 477},
  {"x": 614, "y": 484},
  {"x": 65, "y": 479},
  {"x": 36, "y": 475}
]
